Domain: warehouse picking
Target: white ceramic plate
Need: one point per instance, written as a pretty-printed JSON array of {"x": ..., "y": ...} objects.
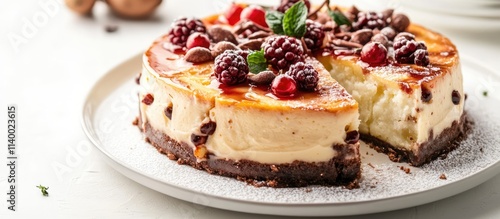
[
  {"x": 112, "y": 105},
  {"x": 470, "y": 9}
]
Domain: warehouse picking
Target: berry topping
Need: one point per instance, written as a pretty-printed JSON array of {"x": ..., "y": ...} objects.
[
  {"x": 409, "y": 51},
  {"x": 182, "y": 28},
  {"x": 421, "y": 57},
  {"x": 282, "y": 51},
  {"x": 254, "y": 13},
  {"x": 198, "y": 40},
  {"x": 314, "y": 35},
  {"x": 233, "y": 13},
  {"x": 370, "y": 20},
  {"x": 304, "y": 75},
  {"x": 284, "y": 86},
  {"x": 286, "y": 4},
  {"x": 243, "y": 53},
  {"x": 230, "y": 68},
  {"x": 374, "y": 53}
]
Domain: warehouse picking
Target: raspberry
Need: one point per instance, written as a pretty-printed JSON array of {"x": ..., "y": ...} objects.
[
  {"x": 369, "y": 20},
  {"x": 409, "y": 51},
  {"x": 233, "y": 13},
  {"x": 286, "y": 4},
  {"x": 254, "y": 13},
  {"x": 230, "y": 68},
  {"x": 305, "y": 75},
  {"x": 282, "y": 51},
  {"x": 182, "y": 28},
  {"x": 374, "y": 53},
  {"x": 198, "y": 40},
  {"x": 314, "y": 35}
]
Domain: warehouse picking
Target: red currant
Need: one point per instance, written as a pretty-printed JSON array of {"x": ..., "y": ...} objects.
[
  {"x": 256, "y": 14},
  {"x": 284, "y": 86},
  {"x": 198, "y": 40},
  {"x": 373, "y": 53},
  {"x": 233, "y": 13}
]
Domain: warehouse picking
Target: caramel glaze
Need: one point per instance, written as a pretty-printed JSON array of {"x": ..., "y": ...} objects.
[
  {"x": 443, "y": 56},
  {"x": 168, "y": 62}
]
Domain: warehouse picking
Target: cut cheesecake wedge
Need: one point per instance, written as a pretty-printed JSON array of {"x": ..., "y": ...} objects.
[
  {"x": 245, "y": 131},
  {"x": 412, "y": 113}
]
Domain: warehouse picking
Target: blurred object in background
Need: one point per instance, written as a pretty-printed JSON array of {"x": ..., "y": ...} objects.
[
  {"x": 458, "y": 14},
  {"x": 127, "y": 9}
]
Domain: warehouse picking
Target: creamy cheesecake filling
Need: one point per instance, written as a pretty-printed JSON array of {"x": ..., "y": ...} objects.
[
  {"x": 246, "y": 133},
  {"x": 394, "y": 115},
  {"x": 252, "y": 134}
]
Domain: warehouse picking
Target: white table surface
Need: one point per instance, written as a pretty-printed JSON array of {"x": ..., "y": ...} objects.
[{"x": 62, "y": 55}]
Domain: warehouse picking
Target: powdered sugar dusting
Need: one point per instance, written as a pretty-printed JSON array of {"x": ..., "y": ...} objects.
[{"x": 381, "y": 178}]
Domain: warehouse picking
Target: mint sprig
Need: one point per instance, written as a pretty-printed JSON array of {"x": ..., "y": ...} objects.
[
  {"x": 274, "y": 20},
  {"x": 257, "y": 62},
  {"x": 292, "y": 23},
  {"x": 339, "y": 17}
]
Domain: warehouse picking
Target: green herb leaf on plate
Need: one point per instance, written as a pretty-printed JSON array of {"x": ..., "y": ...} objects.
[{"x": 43, "y": 189}]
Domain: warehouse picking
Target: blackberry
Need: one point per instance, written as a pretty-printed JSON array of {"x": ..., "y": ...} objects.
[
  {"x": 182, "y": 28},
  {"x": 421, "y": 57},
  {"x": 370, "y": 20},
  {"x": 243, "y": 53},
  {"x": 230, "y": 68},
  {"x": 314, "y": 35},
  {"x": 286, "y": 4},
  {"x": 305, "y": 75},
  {"x": 409, "y": 51},
  {"x": 282, "y": 51}
]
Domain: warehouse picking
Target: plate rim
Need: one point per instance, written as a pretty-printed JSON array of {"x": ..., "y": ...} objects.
[{"x": 222, "y": 202}]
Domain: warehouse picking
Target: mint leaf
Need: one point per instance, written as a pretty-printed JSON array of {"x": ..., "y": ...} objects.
[
  {"x": 274, "y": 20},
  {"x": 339, "y": 18},
  {"x": 257, "y": 62},
  {"x": 294, "y": 21}
]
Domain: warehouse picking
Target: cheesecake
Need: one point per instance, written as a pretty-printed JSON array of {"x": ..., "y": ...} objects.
[
  {"x": 243, "y": 95},
  {"x": 245, "y": 131}
]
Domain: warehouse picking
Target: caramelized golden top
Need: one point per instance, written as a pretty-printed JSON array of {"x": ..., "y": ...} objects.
[
  {"x": 443, "y": 57},
  {"x": 198, "y": 79}
]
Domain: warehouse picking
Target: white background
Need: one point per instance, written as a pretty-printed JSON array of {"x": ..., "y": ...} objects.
[{"x": 62, "y": 55}]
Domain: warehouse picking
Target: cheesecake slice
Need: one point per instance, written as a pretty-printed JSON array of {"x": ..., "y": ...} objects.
[
  {"x": 245, "y": 131},
  {"x": 413, "y": 113}
]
